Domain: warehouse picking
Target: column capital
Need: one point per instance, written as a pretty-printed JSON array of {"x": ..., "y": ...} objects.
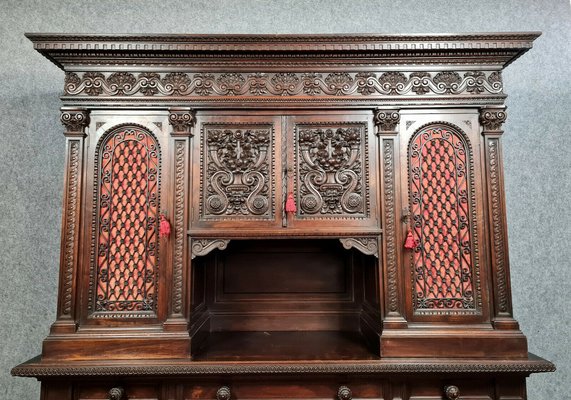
[
  {"x": 75, "y": 120},
  {"x": 182, "y": 120},
  {"x": 386, "y": 121},
  {"x": 492, "y": 119}
]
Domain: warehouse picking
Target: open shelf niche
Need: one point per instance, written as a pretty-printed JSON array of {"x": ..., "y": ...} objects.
[{"x": 285, "y": 299}]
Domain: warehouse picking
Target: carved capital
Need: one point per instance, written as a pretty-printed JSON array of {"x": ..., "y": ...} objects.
[
  {"x": 366, "y": 245},
  {"x": 201, "y": 247},
  {"x": 386, "y": 121},
  {"x": 182, "y": 121},
  {"x": 75, "y": 121},
  {"x": 492, "y": 120}
]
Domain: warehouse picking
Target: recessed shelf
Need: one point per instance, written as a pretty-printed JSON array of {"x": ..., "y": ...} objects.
[{"x": 284, "y": 346}]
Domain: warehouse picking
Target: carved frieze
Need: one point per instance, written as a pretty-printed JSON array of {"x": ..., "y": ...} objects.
[
  {"x": 332, "y": 165},
  {"x": 310, "y": 83},
  {"x": 237, "y": 171}
]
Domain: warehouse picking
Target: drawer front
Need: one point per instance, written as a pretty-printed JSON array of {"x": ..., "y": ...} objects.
[
  {"x": 307, "y": 386},
  {"x": 118, "y": 390},
  {"x": 283, "y": 388}
]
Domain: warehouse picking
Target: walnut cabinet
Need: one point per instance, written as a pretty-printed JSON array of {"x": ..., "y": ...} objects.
[{"x": 284, "y": 217}]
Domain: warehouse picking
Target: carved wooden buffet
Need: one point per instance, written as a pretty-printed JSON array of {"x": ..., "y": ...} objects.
[{"x": 275, "y": 217}]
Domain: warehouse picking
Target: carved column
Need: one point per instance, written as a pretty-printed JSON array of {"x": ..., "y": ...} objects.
[
  {"x": 387, "y": 122},
  {"x": 491, "y": 120},
  {"x": 75, "y": 121},
  {"x": 182, "y": 121}
]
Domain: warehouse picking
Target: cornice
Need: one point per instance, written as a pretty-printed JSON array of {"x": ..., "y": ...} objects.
[{"x": 69, "y": 50}]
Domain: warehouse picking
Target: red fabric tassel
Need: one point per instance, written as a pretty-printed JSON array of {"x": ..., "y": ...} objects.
[
  {"x": 290, "y": 204},
  {"x": 409, "y": 243},
  {"x": 165, "y": 227}
]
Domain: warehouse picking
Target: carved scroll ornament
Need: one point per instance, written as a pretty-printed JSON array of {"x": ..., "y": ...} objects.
[
  {"x": 237, "y": 180},
  {"x": 332, "y": 169},
  {"x": 366, "y": 245},
  {"x": 310, "y": 83},
  {"x": 201, "y": 247}
]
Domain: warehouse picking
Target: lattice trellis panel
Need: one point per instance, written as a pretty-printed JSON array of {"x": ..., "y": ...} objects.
[
  {"x": 128, "y": 223},
  {"x": 440, "y": 187}
]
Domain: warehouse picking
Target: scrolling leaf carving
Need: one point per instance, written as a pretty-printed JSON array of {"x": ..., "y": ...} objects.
[
  {"x": 238, "y": 178},
  {"x": 310, "y": 83},
  {"x": 332, "y": 170}
]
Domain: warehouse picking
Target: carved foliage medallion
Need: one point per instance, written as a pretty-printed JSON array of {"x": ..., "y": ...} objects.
[
  {"x": 127, "y": 255},
  {"x": 237, "y": 171},
  {"x": 332, "y": 170},
  {"x": 441, "y": 202}
]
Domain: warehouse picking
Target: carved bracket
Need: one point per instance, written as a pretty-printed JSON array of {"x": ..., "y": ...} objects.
[
  {"x": 386, "y": 121},
  {"x": 201, "y": 247},
  {"x": 366, "y": 245},
  {"x": 75, "y": 121},
  {"x": 492, "y": 120},
  {"x": 182, "y": 120}
]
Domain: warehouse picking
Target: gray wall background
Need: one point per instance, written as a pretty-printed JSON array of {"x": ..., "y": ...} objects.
[{"x": 537, "y": 145}]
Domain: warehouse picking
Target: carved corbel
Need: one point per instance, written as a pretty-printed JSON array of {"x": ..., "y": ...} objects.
[
  {"x": 366, "y": 245},
  {"x": 182, "y": 120},
  {"x": 386, "y": 121},
  {"x": 75, "y": 121},
  {"x": 201, "y": 247},
  {"x": 492, "y": 120}
]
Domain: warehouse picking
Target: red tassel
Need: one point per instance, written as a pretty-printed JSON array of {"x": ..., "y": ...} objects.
[
  {"x": 290, "y": 204},
  {"x": 165, "y": 227},
  {"x": 409, "y": 243}
]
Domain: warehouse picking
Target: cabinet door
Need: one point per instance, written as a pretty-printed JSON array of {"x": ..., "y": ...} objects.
[
  {"x": 237, "y": 173},
  {"x": 332, "y": 172},
  {"x": 442, "y": 210}
]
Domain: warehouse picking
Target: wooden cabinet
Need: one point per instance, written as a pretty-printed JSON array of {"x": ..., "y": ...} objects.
[
  {"x": 284, "y": 217},
  {"x": 248, "y": 165}
]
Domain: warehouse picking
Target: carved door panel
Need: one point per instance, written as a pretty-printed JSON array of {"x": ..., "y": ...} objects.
[
  {"x": 237, "y": 173},
  {"x": 124, "y": 257},
  {"x": 332, "y": 173},
  {"x": 442, "y": 215}
]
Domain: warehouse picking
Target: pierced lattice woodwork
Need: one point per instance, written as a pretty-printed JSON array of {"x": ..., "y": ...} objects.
[
  {"x": 440, "y": 184},
  {"x": 128, "y": 178}
]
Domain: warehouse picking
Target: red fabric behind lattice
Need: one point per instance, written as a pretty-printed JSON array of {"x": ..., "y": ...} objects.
[
  {"x": 128, "y": 222},
  {"x": 441, "y": 220}
]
